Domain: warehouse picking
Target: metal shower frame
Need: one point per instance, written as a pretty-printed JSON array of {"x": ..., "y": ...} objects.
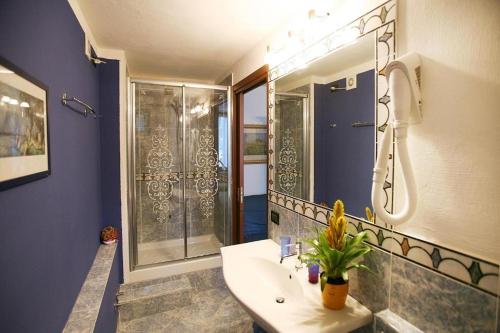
[{"x": 131, "y": 183}]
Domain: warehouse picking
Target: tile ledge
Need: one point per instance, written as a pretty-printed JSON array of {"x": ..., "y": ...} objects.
[
  {"x": 388, "y": 322},
  {"x": 82, "y": 318}
]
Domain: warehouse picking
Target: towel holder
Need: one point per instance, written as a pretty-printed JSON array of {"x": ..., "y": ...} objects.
[{"x": 87, "y": 109}]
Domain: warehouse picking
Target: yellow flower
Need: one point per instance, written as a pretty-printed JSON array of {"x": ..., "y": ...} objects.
[
  {"x": 369, "y": 215},
  {"x": 329, "y": 236},
  {"x": 340, "y": 229},
  {"x": 337, "y": 225},
  {"x": 338, "y": 209}
]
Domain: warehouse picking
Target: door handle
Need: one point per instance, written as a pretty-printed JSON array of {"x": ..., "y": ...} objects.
[{"x": 241, "y": 194}]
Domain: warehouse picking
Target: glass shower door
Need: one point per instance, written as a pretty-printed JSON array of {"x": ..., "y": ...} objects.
[
  {"x": 181, "y": 158},
  {"x": 206, "y": 187},
  {"x": 159, "y": 206}
]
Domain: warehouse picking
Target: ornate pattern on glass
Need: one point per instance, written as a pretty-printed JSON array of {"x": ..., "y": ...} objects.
[
  {"x": 287, "y": 161},
  {"x": 206, "y": 178},
  {"x": 160, "y": 163}
]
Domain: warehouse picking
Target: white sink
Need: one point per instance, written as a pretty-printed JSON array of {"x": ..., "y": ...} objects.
[
  {"x": 256, "y": 278},
  {"x": 275, "y": 279}
]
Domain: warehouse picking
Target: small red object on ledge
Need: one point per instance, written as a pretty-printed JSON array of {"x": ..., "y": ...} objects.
[{"x": 109, "y": 235}]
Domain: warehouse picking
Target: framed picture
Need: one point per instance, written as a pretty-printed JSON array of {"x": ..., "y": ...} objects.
[
  {"x": 255, "y": 144},
  {"x": 24, "y": 141}
]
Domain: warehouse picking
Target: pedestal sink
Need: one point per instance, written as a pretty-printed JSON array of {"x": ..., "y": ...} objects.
[{"x": 279, "y": 298}]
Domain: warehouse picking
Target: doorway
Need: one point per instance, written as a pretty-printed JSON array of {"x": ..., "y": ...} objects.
[{"x": 250, "y": 129}]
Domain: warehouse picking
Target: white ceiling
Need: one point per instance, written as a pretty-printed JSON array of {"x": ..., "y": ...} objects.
[{"x": 184, "y": 39}]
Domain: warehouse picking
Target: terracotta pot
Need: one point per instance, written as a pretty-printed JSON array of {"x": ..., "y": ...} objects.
[{"x": 335, "y": 295}]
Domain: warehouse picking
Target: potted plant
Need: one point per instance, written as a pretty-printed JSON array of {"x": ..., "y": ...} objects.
[{"x": 337, "y": 253}]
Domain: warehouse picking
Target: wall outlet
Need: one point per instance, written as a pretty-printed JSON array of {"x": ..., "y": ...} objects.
[{"x": 275, "y": 217}]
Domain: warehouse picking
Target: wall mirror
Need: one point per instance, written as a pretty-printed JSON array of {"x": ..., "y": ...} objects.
[
  {"x": 325, "y": 128},
  {"x": 328, "y": 108}
]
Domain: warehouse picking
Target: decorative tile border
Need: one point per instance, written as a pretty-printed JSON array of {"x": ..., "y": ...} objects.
[
  {"x": 475, "y": 272},
  {"x": 381, "y": 21}
]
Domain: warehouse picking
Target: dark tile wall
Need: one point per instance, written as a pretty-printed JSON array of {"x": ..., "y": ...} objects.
[{"x": 436, "y": 303}]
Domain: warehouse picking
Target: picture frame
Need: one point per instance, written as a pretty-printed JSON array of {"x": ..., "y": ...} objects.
[
  {"x": 24, "y": 127},
  {"x": 255, "y": 144}
]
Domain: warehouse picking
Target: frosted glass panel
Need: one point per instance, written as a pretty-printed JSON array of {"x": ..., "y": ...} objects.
[
  {"x": 206, "y": 167},
  {"x": 159, "y": 205}
]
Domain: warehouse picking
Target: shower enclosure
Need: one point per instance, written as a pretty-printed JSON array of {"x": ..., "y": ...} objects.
[
  {"x": 179, "y": 192},
  {"x": 292, "y": 143}
]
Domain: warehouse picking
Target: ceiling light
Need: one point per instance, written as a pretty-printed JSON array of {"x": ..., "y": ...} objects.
[
  {"x": 13, "y": 101},
  {"x": 24, "y": 105},
  {"x": 5, "y": 99}
]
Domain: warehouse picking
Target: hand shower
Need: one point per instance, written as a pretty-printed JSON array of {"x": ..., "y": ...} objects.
[{"x": 403, "y": 76}]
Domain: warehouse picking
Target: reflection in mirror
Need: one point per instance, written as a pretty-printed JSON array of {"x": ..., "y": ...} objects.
[{"x": 324, "y": 128}]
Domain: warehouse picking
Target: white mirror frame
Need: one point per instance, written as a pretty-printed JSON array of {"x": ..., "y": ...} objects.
[{"x": 382, "y": 21}]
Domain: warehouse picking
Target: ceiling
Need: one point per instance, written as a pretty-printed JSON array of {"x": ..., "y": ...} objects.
[{"x": 190, "y": 40}]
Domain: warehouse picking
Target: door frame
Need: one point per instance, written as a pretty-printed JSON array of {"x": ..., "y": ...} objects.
[{"x": 250, "y": 82}]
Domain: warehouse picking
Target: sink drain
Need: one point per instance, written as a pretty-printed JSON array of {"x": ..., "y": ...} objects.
[{"x": 280, "y": 300}]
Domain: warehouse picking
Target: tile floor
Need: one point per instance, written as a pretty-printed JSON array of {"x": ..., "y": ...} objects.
[{"x": 192, "y": 302}]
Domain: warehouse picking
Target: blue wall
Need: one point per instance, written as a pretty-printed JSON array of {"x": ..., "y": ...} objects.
[
  {"x": 50, "y": 228},
  {"x": 344, "y": 155},
  {"x": 109, "y": 106}
]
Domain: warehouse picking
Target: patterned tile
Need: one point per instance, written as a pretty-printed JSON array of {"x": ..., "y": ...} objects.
[
  {"x": 308, "y": 227},
  {"x": 477, "y": 273},
  {"x": 288, "y": 223},
  {"x": 436, "y": 303}
]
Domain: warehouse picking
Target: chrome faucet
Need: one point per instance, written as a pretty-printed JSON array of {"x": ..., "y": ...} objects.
[{"x": 298, "y": 253}]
